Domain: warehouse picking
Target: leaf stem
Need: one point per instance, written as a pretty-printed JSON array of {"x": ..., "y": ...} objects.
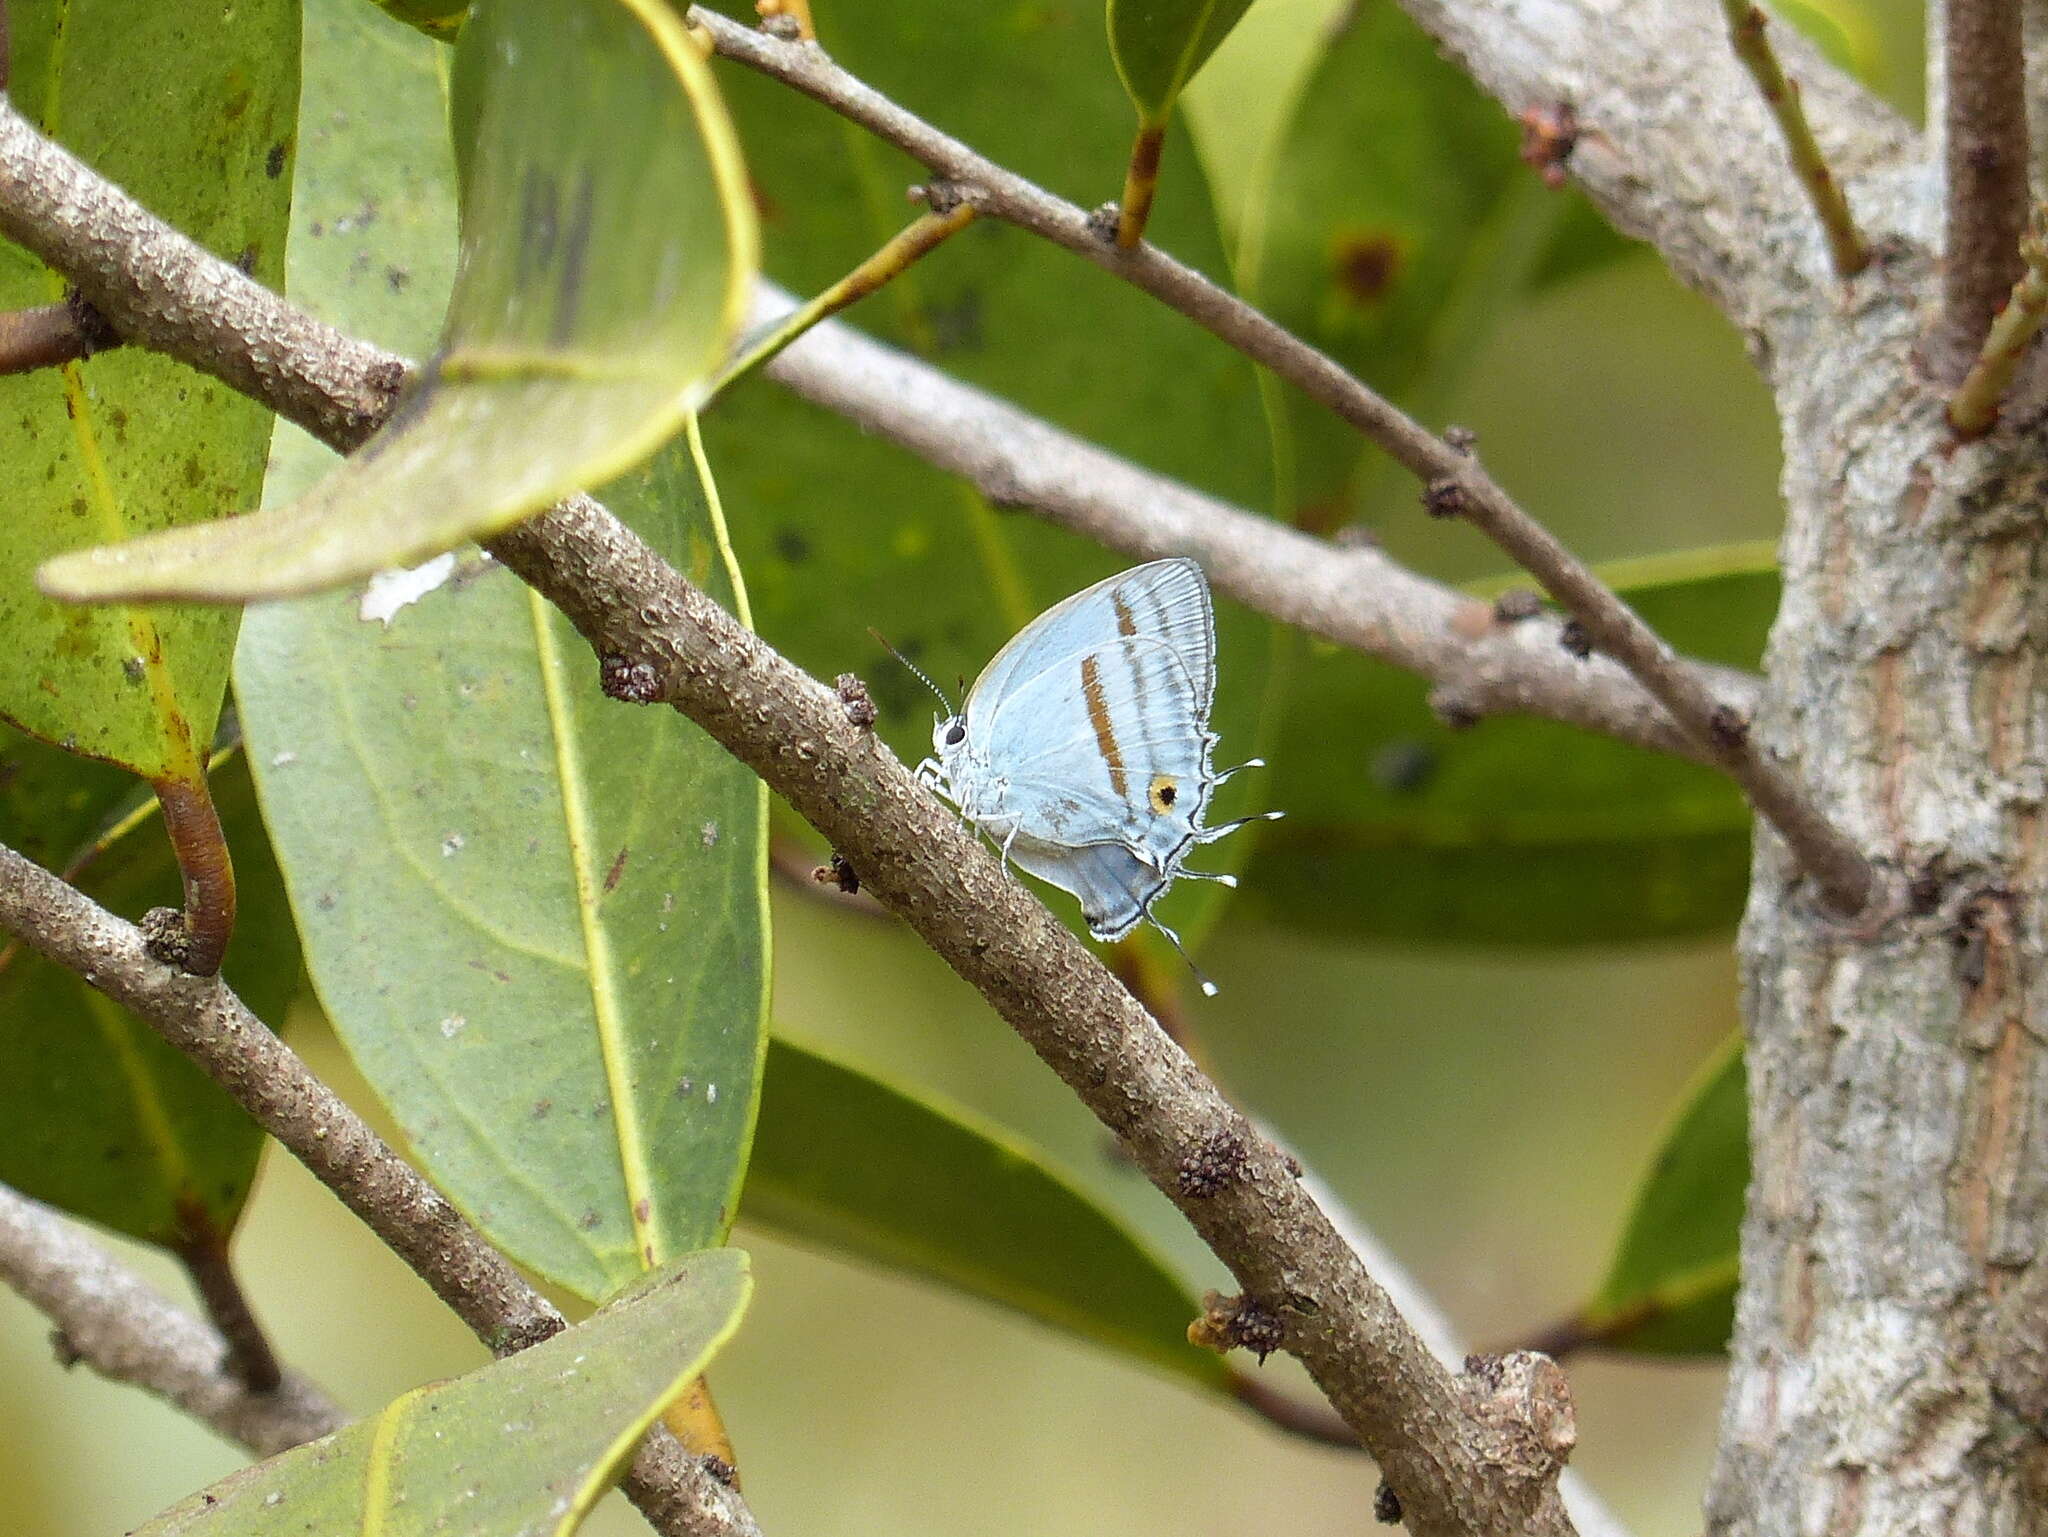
[
  {"x": 1141, "y": 182},
  {"x": 917, "y": 240},
  {"x": 203, "y": 1249},
  {"x": 193, "y": 825},
  {"x": 1847, "y": 248},
  {"x": 46, "y": 335},
  {"x": 1974, "y": 409}
]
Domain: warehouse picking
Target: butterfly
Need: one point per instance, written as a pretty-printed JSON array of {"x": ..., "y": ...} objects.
[{"x": 1083, "y": 748}]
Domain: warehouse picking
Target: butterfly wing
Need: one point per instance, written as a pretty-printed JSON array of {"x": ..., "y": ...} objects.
[
  {"x": 1164, "y": 600},
  {"x": 1114, "y": 885},
  {"x": 1107, "y": 745}
]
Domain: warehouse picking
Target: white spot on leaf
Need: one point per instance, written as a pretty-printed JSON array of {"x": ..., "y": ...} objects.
[{"x": 390, "y": 591}]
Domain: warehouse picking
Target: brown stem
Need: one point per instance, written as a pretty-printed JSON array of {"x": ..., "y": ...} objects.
[
  {"x": 1141, "y": 183},
  {"x": 50, "y": 334},
  {"x": 203, "y": 1248},
  {"x": 1847, "y": 248},
  {"x": 1844, "y": 875},
  {"x": 203, "y": 1018},
  {"x": 193, "y": 825},
  {"x": 1986, "y": 145},
  {"x": 1974, "y": 409}
]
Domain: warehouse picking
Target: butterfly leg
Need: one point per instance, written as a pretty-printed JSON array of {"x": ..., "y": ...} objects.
[
  {"x": 1007, "y": 842},
  {"x": 929, "y": 774}
]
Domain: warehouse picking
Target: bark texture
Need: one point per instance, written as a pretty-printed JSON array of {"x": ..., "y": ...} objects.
[{"x": 1898, "y": 1089}]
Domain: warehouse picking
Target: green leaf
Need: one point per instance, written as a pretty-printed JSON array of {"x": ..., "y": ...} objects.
[
  {"x": 848, "y": 1162},
  {"x": 554, "y": 919},
  {"x": 1515, "y": 831},
  {"x": 1158, "y": 46},
  {"x": 437, "y": 18},
  {"x": 97, "y": 1114},
  {"x": 837, "y": 531},
  {"x": 1670, "y": 1289},
  {"x": 129, "y": 442},
  {"x": 523, "y": 1447},
  {"x": 607, "y": 245}
]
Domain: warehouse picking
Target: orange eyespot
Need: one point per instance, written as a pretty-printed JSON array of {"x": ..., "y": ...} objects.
[{"x": 1162, "y": 793}]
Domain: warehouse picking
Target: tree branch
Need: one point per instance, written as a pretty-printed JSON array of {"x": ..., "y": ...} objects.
[
  {"x": 1984, "y": 106},
  {"x": 203, "y": 1018},
  {"x": 1455, "y": 481},
  {"x": 1422, "y": 1425},
  {"x": 1466, "y": 1453},
  {"x": 1484, "y": 664},
  {"x": 115, "y": 1322}
]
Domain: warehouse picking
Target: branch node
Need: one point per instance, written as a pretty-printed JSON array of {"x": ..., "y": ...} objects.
[
  {"x": 1386, "y": 1505},
  {"x": 1550, "y": 133},
  {"x": 65, "y": 1349},
  {"x": 1444, "y": 497},
  {"x": 1973, "y": 411},
  {"x": 853, "y": 696},
  {"x": 1453, "y": 708},
  {"x": 96, "y": 333},
  {"x": 1576, "y": 639},
  {"x": 1103, "y": 222},
  {"x": 1460, "y": 440},
  {"x": 1214, "y": 1166},
  {"x": 1521, "y": 1405},
  {"x": 629, "y": 681},
  {"x": 838, "y": 873},
  {"x": 1237, "y": 1323},
  {"x": 165, "y": 936},
  {"x": 1728, "y": 726}
]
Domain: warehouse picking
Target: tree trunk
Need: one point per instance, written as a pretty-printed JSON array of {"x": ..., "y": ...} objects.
[{"x": 1896, "y": 1071}]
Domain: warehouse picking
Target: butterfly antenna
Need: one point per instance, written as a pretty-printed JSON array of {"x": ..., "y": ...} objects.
[
  {"x": 1208, "y": 987},
  {"x": 921, "y": 674}
]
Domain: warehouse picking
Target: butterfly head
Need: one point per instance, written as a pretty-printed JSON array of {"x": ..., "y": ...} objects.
[{"x": 949, "y": 737}]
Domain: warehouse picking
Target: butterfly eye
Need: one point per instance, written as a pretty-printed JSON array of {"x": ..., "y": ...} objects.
[{"x": 955, "y": 734}]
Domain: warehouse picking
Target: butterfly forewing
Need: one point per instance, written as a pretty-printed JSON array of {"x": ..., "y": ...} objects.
[{"x": 1164, "y": 600}]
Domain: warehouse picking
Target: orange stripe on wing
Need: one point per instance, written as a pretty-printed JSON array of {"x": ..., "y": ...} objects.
[
  {"x": 1126, "y": 621},
  {"x": 1098, "y": 717}
]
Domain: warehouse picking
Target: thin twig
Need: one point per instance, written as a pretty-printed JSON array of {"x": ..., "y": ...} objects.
[
  {"x": 1974, "y": 409},
  {"x": 50, "y": 334},
  {"x": 1845, "y": 876},
  {"x": 1847, "y": 248},
  {"x": 1436, "y": 1435},
  {"x": 1985, "y": 107},
  {"x": 169, "y": 294},
  {"x": 115, "y": 1322},
  {"x": 203, "y": 1018},
  {"x": 203, "y": 1248},
  {"x": 924, "y": 235},
  {"x": 1484, "y": 662}
]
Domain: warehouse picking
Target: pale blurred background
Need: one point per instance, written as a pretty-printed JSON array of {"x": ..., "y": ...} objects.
[{"x": 1487, "y": 1114}]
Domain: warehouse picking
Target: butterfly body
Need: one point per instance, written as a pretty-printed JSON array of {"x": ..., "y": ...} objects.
[{"x": 1083, "y": 750}]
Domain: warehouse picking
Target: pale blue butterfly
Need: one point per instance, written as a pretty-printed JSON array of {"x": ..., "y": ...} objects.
[{"x": 1083, "y": 747}]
